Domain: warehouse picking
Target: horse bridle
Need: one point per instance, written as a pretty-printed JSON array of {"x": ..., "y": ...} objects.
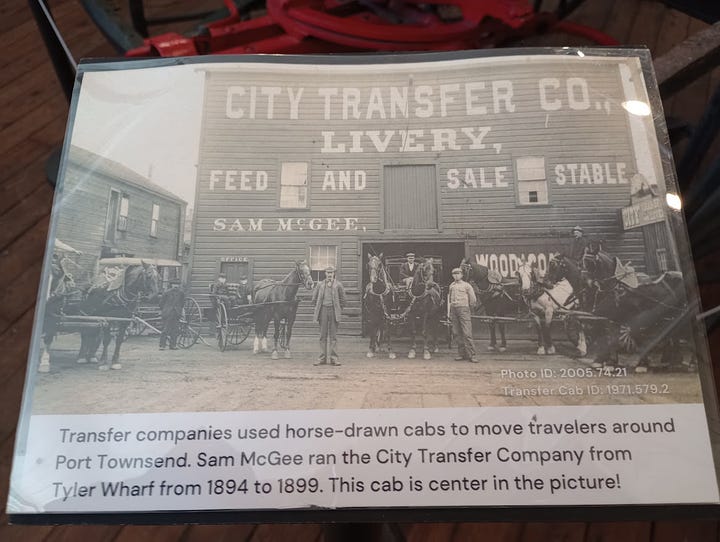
[
  {"x": 385, "y": 280},
  {"x": 276, "y": 283}
]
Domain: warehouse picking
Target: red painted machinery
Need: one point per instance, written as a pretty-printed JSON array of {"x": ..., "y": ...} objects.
[{"x": 332, "y": 26}]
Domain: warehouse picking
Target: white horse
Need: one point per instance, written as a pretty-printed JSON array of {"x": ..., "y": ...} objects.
[{"x": 542, "y": 301}]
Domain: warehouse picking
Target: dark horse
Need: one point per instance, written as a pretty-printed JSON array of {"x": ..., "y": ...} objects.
[
  {"x": 116, "y": 300},
  {"x": 280, "y": 305},
  {"x": 497, "y": 298},
  {"x": 424, "y": 302},
  {"x": 376, "y": 295},
  {"x": 648, "y": 313},
  {"x": 423, "y": 312}
]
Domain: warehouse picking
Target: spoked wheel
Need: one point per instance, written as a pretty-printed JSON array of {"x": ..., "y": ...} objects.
[
  {"x": 238, "y": 332},
  {"x": 626, "y": 339},
  {"x": 190, "y": 324},
  {"x": 221, "y": 321}
]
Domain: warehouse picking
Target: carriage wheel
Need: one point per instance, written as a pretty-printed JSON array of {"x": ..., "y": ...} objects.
[
  {"x": 238, "y": 332},
  {"x": 221, "y": 321},
  {"x": 190, "y": 324},
  {"x": 626, "y": 339}
]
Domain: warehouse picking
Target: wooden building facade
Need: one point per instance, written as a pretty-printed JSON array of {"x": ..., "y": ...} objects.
[
  {"x": 109, "y": 210},
  {"x": 479, "y": 158}
]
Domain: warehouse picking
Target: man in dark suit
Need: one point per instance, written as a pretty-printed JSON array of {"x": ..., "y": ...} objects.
[
  {"x": 407, "y": 269},
  {"x": 171, "y": 308},
  {"x": 329, "y": 300}
]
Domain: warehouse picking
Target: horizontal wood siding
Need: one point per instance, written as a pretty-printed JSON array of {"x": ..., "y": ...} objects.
[
  {"x": 83, "y": 205},
  {"x": 484, "y": 211}
]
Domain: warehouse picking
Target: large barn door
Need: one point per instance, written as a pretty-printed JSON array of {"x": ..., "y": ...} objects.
[{"x": 410, "y": 197}]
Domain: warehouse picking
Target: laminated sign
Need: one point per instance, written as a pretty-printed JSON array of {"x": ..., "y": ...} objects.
[{"x": 363, "y": 287}]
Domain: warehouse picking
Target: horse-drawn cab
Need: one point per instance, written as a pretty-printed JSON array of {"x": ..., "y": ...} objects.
[
  {"x": 111, "y": 274},
  {"x": 146, "y": 317},
  {"x": 398, "y": 286}
]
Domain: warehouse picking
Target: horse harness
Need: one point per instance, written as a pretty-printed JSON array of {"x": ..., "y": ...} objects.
[{"x": 387, "y": 315}]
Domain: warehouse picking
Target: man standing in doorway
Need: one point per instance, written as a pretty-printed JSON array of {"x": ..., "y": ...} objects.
[
  {"x": 329, "y": 300},
  {"x": 407, "y": 270},
  {"x": 462, "y": 299},
  {"x": 171, "y": 308}
]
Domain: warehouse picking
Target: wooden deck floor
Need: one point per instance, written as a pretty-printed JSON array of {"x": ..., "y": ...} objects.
[{"x": 32, "y": 119}]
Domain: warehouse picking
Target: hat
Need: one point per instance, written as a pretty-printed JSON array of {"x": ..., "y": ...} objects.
[
  {"x": 330, "y": 268},
  {"x": 577, "y": 228},
  {"x": 457, "y": 270},
  {"x": 222, "y": 275},
  {"x": 243, "y": 277},
  {"x": 410, "y": 254}
]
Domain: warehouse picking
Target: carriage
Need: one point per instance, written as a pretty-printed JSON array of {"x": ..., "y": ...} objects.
[
  {"x": 106, "y": 305},
  {"x": 146, "y": 317},
  {"x": 235, "y": 321},
  {"x": 632, "y": 313},
  {"x": 393, "y": 308},
  {"x": 272, "y": 301}
]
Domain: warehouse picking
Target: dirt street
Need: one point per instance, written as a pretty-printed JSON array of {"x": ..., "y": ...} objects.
[{"x": 205, "y": 379}]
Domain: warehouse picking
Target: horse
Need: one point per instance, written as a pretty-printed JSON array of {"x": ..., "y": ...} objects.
[
  {"x": 280, "y": 298},
  {"x": 109, "y": 300},
  {"x": 494, "y": 297},
  {"x": 375, "y": 300},
  {"x": 646, "y": 310},
  {"x": 423, "y": 312},
  {"x": 542, "y": 302},
  {"x": 561, "y": 267}
]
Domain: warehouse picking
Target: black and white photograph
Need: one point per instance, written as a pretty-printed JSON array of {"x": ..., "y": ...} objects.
[
  {"x": 447, "y": 281},
  {"x": 422, "y": 232}
]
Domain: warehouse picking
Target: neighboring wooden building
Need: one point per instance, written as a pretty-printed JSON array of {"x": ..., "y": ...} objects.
[
  {"x": 108, "y": 210},
  {"x": 476, "y": 158}
]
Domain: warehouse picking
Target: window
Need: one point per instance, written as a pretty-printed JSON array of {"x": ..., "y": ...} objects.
[
  {"x": 294, "y": 185},
  {"x": 662, "y": 259},
  {"x": 320, "y": 257},
  {"x": 123, "y": 215},
  {"x": 111, "y": 218},
  {"x": 531, "y": 180},
  {"x": 154, "y": 220}
]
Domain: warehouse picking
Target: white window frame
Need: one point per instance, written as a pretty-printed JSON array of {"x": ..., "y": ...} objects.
[
  {"x": 317, "y": 268},
  {"x": 289, "y": 179},
  {"x": 154, "y": 220},
  {"x": 123, "y": 212},
  {"x": 531, "y": 175}
]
